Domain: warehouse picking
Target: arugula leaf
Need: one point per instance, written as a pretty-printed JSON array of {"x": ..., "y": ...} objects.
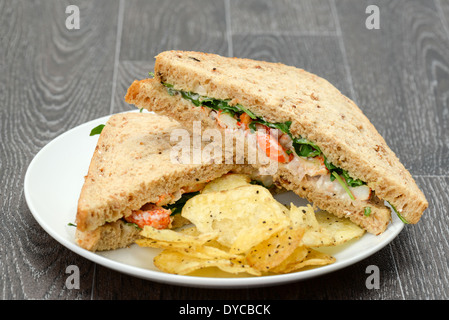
[
  {"x": 284, "y": 127},
  {"x": 178, "y": 205},
  {"x": 242, "y": 108},
  {"x": 302, "y": 146},
  {"x": 349, "y": 180},
  {"x": 132, "y": 224},
  {"x": 193, "y": 97},
  {"x": 306, "y": 148},
  {"x": 343, "y": 184},
  {"x": 97, "y": 130},
  {"x": 367, "y": 212},
  {"x": 329, "y": 165},
  {"x": 215, "y": 104},
  {"x": 398, "y": 214}
]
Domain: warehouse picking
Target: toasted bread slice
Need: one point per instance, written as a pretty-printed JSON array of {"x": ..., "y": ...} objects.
[
  {"x": 279, "y": 93},
  {"x": 132, "y": 165}
]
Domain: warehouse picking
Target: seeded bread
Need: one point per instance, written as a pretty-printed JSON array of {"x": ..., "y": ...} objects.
[
  {"x": 318, "y": 111},
  {"x": 113, "y": 235},
  {"x": 150, "y": 94},
  {"x": 132, "y": 165}
]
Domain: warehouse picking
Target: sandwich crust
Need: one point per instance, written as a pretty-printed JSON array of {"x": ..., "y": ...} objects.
[
  {"x": 319, "y": 112},
  {"x": 131, "y": 166},
  {"x": 150, "y": 94},
  {"x": 109, "y": 236}
]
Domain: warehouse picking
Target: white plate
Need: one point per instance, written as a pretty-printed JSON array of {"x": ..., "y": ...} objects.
[{"x": 52, "y": 185}]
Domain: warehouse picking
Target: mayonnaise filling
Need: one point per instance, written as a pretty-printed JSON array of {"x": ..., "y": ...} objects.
[{"x": 299, "y": 155}]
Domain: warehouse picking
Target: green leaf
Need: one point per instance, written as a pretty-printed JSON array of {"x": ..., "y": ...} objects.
[
  {"x": 284, "y": 127},
  {"x": 367, "y": 212},
  {"x": 302, "y": 146},
  {"x": 178, "y": 205},
  {"x": 349, "y": 180},
  {"x": 343, "y": 184},
  {"x": 132, "y": 224},
  {"x": 398, "y": 214},
  {"x": 168, "y": 85},
  {"x": 97, "y": 130},
  {"x": 243, "y": 109},
  {"x": 306, "y": 148}
]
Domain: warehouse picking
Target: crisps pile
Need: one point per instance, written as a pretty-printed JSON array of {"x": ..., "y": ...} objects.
[{"x": 239, "y": 227}]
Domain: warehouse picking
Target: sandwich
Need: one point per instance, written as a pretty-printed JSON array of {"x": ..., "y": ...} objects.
[
  {"x": 326, "y": 149},
  {"x": 135, "y": 178}
]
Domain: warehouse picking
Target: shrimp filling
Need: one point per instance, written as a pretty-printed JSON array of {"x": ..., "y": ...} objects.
[
  {"x": 160, "y": 215},
  {"x": 298, "y": 154}
]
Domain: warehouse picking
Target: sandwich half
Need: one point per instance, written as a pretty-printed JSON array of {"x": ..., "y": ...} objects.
[
  {"x": 326, "y": 149},
  {"x": 135, "y": 179}
]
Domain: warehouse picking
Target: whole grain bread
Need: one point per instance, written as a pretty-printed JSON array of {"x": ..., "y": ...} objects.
[
  {"x": 110, "y": 236},
  {"x": 279, "y": 93},
  {"x": 150, "y": 94},
  {"x": 133, "y": 164}
]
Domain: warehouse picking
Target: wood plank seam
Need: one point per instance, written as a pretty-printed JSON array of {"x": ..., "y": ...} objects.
[
  {"x": 118, "y": 41},
  {"x": 227, "y": 6},
  {"x": 292, "y": 33},
  {"x": 343, "y": 49}
]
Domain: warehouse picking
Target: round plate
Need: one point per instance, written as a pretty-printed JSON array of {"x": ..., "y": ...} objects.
[{"x": 52, "y": 186}]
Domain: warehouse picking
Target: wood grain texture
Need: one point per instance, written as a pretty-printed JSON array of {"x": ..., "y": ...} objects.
[
  {"x": 421, "y": 253},
  {"x": 150, "y": 27},
  {"x": 312, "y": 17},
  {"x": 401, "y": 75},
  {"x": 52, "y": 79},
  {"x": 128, "y": 71}
]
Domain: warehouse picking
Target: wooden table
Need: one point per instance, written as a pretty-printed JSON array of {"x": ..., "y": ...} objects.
[{"x": 53, "y": 78}]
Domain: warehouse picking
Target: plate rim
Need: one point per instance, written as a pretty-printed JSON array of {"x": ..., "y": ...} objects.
[{"x": 186, "y": 280}]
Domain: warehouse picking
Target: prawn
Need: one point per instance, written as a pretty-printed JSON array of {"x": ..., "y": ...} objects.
[
  {"x": 273, "y": 149},
  {"x": 153, "y": 215}
]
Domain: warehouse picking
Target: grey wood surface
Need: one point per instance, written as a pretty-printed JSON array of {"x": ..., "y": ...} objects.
[{"x": 53, "y": 79}]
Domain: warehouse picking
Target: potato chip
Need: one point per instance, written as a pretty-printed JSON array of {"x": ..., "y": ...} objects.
[
  {"x": 314, "y": 258},
  {"x": 152, "y": 236},
  {"x": 340, "y": 230},
  {"x": 208, "y": 252},
  {"x": 303, "y": 217},
  {"x": 323, "y": 228},
  {"x": 239, "y": 227},
  {"x": 272, "y": 252},
  {"x": 303, "y": 257},
  {"x": 189, "y": 230},
  {"x": 227, "y": 182},
  {"x": 243, "y": 216},
  {"x": 151, "y": 243},
  {"x": 178, "y": 263},
  {"x": 297, "y": 256}
]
